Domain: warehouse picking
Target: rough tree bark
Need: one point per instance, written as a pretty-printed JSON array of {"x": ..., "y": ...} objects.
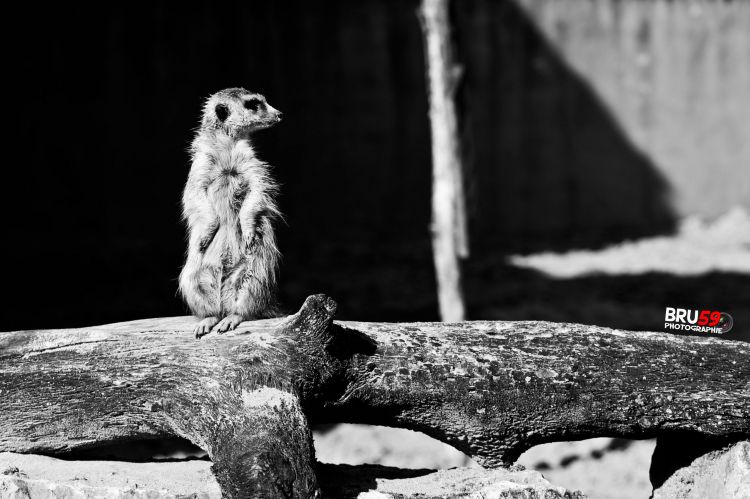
[
  {"x": 234, "y": 398},
  {"x": 449, "y": 227},
  {"x": 491, "y": 389}
]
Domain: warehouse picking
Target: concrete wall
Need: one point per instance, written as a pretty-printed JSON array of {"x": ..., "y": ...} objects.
[{"x": 676, "y": 75}]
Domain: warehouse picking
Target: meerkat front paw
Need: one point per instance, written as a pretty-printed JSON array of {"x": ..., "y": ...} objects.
[
  {"x": 228, "y": 323},
  {"x": 204, "y": 326}
]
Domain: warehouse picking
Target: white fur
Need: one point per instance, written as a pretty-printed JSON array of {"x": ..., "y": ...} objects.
[{"x": 229, "y": 206}]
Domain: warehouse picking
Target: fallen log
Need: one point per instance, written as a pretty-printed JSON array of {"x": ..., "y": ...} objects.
[
  {"x": 491, "y": 389},
  {"x": 235, "y": 396}
]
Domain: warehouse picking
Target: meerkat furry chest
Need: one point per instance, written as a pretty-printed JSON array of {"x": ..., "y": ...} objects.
[
  {"x": 232, "y": 165},
  {"x": 226, "y": 192}
]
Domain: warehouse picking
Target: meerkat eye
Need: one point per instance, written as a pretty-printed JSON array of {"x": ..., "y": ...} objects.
[
  {"x": 252, "y": 104},
  {"x": 222, "y": 112}
]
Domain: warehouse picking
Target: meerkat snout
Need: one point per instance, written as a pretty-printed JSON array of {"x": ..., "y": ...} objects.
[{"x": 273, "y": 113}]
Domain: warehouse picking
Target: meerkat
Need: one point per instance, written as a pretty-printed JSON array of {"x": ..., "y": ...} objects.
[{"x": 229, "y": 207}]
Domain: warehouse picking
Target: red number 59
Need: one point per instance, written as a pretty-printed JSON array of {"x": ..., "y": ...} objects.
[{"x": 708, "y": 318}]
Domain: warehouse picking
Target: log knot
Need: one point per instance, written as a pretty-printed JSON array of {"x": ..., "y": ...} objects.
[{"x": 312, "y": 322}]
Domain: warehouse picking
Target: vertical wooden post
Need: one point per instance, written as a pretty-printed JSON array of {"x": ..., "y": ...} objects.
[{"x": 449, "y": 232}]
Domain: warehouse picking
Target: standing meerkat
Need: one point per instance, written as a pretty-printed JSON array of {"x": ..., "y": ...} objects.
[{"x": 229, "y": 206}]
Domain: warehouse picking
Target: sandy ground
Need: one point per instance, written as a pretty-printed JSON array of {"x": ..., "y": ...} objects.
[
  {"x": 697, "y": 248},
  {"x": 360, "y": 444},
  {"x": 602, "y": 468}
]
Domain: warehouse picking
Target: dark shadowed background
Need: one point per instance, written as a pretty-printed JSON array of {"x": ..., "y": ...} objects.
[{"x": 583, "y": 126}]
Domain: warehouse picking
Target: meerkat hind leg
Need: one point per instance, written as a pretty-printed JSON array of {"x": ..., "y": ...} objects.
[
  {"x": 228, "y": 323},
  {"x": 204, "y": 326}
]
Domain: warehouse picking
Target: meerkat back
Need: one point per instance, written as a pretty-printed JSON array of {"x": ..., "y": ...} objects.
[{"x": 230, "y": 210}]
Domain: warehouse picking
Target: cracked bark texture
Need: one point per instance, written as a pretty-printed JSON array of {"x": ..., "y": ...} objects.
[
  {"x": 491, "y": 389},
  {"x": 495, "y": 389}
]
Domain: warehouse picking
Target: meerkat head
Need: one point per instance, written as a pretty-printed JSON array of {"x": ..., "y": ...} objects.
[{"x": 238, "y": 112}]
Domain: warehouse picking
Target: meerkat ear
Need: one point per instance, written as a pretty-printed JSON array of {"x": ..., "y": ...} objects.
[{"x": 222, "y": 112}]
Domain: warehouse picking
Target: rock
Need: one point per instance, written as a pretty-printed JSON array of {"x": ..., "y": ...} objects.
[
  {"x": 26, "y": 476},
  {"x": 722, "y": 474},
  {"x": 471, "y": 483}
]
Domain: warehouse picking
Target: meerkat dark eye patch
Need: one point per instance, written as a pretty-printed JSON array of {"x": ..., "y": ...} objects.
[
  {"x": 252, "y": 104},
  {"x": 222, "y": 112}
]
